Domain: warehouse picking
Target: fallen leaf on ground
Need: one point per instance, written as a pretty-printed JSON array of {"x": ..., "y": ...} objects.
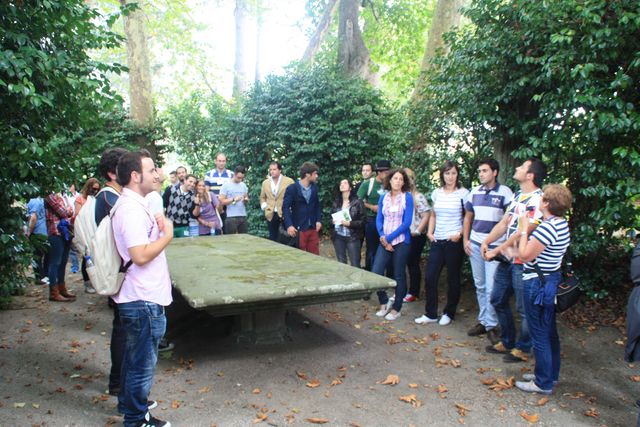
[
  {"x": 455, "y": 363},
  {"x": 462, "y": 410},
  {"x": 531, "y": 418},
  {"x": 413, "y": 385},
  {"x": 391, "y": 380},
  {"x": 352, "y": 424},
  {"x": 204, "y": 390},
  {"x": 260, "y": 417},
  {"x": 412, "y": 399},
  {"x": 434, "y": 336},
  {"x": 635, "y": 378},
  {"x": 175, "y": 404},
  {"x": 19, "y": 405},
  {"x": 317, "y": 420},
  {"x": 543, "y": 401},
  {"x": 313, "y": 384},
  {"x": 502, "y": 384},
  {"x": 592, "y": 412},
  {"x": 256, "y": 391},
  {"x": 335, "y": 382},
  {"x": 442, "y": 388},
  {"x": 302, "y": 375},
  {"x": 488, "y": 381}
]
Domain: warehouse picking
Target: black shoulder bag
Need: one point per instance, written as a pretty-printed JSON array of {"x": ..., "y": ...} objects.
[{"x": 568, "y": 292}]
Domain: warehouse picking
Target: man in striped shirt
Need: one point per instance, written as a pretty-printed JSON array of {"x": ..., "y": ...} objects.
[
  {"x": 508, "y": 277},
  {"x": 484, "y": 208}
]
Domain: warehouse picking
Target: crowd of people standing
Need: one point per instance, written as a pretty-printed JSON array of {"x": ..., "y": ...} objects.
[{"x": 515, "y": 244}]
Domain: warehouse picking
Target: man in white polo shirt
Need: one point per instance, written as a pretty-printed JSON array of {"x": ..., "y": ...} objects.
[
  {"x": 140, "y": 237},
  {"x": 485, "y": 207}
]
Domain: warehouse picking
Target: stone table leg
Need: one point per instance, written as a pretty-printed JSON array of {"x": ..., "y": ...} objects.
[{"x": 262, "y": 327}]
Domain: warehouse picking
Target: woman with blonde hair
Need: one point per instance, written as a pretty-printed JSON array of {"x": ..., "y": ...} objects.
[
  {"x": 205, "y": 208},
  {"x": 542, "y": 253}
]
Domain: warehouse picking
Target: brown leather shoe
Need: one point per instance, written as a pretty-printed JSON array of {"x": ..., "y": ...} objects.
[
  {"x": 479, "y": 329},
  {"x": 54, "y": 294},
  {"x": 65, "y": 293}
]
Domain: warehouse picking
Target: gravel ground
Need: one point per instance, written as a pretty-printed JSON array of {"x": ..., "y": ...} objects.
[{"x": 54, "y": 359}]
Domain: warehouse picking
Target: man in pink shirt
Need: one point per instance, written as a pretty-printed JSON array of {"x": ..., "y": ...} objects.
[{"x": 141, "y": 237}]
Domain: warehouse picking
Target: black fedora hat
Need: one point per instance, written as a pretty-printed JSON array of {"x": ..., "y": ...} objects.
[{"x": 382, "y": 165}]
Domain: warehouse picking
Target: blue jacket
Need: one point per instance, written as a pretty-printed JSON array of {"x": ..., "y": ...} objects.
[
  {"x": 404, "y": 228},
  {"x": 297, "y": 212}
]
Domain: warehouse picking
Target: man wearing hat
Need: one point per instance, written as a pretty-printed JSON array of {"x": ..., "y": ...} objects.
[{"x": 369, "y": 192}]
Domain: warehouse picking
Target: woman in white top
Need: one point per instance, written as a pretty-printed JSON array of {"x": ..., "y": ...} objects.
[{"x": 445, "y": 234}]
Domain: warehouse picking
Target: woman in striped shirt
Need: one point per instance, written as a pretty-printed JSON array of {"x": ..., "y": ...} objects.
[
  {"x": 542, "y": 252},
  {"x": 445, "y": 234}
]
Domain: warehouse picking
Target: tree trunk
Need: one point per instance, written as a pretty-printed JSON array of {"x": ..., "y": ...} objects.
[
  {"x": 502, "y": 149},
  {"x": 239, "y": 69},
  {"x": 140, "y": 94},
  {"x": 447, "y": 15},
  {"x": 353, "y": 55},
  {"x": 320, "y": 33},
  {"x": 259, "y": 20}
]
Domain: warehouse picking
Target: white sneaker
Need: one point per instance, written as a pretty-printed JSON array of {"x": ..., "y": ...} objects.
[
  {"x": 444, "y": 320},
  {"x": 532, "y": 377},
  {"x": 382, "y": 312},
  {"x": 423, "y": 320},
  {"x": 391, "y": 316}
]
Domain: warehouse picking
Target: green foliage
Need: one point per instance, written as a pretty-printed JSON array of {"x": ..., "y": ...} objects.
[
  {"x": 558, "y": 80},
  {"x": 50, "y": 90},
  {"x": 317, "y": 116},
  {"x": 395, "y": 33},
  {"x": 199, "y": 125}
]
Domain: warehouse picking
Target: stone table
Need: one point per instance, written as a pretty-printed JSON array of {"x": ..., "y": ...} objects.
[{"x": 256, "y": 280}]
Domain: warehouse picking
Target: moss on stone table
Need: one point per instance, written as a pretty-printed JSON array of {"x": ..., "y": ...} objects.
[{"x": 243, "y": 273}]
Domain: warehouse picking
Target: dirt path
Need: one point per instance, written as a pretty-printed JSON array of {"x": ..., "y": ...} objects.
[{"x": 54, "y": 359}]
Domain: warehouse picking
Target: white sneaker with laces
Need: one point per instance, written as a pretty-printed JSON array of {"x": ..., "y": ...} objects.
[
  {"x": 423, "y": 320},
  {"x": 531, "y": 387},
  {"x": 382, "y": 312},
  {"x": 392, "y": 316},
  {"x": 444, "y": 320},
  {"x": 532, "y": 377}
]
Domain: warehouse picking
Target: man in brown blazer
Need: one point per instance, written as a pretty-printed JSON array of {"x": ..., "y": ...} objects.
[{"x": 271, "y": 196}]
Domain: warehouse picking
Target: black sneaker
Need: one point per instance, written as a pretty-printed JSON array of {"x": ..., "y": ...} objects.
[
  {"x": 494, "y": 335},
  {"x": 477, "y": 330},
  {"x": 151, "y": 421}
]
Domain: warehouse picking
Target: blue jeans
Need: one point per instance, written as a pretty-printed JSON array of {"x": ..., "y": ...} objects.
[
  {"x": 508, "y": 281},
  {"x": 117, "y": 348},
  {"x": 144, "y": 324},
  {"x": 483, "y": 275},
  {"x": 347, "y": 245},
  {"x": 373, "y": 242},
  {"x": 544, "y": 333},
  {"x": 73, "y": 256},
  {"x": 58, "y": 256},
  {"x": 398, "y": 259},
  {"x": 451, "y": 254}
]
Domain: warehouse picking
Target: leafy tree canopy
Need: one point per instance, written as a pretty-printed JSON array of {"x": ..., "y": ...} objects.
[{"x": 557, "y": 80}]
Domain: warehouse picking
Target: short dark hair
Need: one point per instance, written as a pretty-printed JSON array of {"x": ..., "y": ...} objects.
[
  {"x": 109, "y": 161},
  {"x": 406, "y": 185},
  {"x": 308, "y": 168},
  {"x": 278, "y": 165},
  {"x": 190, "y": 175},
  {"x": 447, "y": 166},
  {"x": 130, "y": 162},
  {"x": 240, "y": 169},
  {"x": 180, "y": 167},
  {"x": 539, "y": 170},
  {"x": 491, "y": 162},
  {"x": 368, "y": 164},
  {"x": 173, "y": 173}
]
